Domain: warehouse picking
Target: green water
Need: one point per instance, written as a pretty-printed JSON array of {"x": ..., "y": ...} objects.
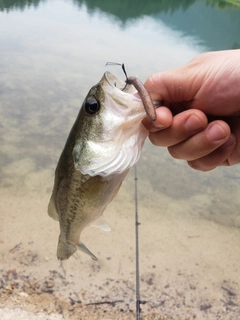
[{"x": 51, "y": 53}]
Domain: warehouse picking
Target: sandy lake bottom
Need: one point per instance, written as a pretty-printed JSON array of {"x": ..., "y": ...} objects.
[{"x": 189, "y": 256}]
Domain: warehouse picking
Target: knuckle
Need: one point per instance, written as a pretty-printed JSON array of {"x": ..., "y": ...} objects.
[
  {"x": 173, "y": 151},
  {"x": 154, "y": 140}
]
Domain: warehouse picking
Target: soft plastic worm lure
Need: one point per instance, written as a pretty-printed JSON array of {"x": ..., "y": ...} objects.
[{"x": 148, "y": 104}]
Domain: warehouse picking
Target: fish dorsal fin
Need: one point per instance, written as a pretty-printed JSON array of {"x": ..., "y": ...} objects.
[{"x": 101, "y": 223}]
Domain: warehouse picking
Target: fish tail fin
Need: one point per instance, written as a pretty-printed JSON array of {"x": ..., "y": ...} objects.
[
  {"x": 83, "y": 248},
  {"x": 65, "y": 249}
]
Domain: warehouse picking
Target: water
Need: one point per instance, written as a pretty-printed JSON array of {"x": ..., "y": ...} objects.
[{"x": 51, "y": 53}]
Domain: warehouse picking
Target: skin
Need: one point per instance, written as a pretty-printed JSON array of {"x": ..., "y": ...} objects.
[{"x": 200, "y": 119}]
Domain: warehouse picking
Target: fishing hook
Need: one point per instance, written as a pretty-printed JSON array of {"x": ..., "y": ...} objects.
[{"x": 148, "y": 104}]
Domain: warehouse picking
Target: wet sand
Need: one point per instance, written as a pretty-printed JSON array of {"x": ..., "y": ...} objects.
[{"x": 189, "y": 265}]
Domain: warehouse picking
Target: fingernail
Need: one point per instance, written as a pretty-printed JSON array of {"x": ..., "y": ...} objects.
[
  {"x": 216, "y": 133},
  {"x": 158, "y": 125},
  {"x": 152, "y": 126},
  {"x": 230, "y": 142},
  {"x": 193, "y": 123}
]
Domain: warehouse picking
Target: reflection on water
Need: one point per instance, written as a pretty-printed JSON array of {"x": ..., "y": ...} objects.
[
  {"x": 19, "y": 4},
  {"x": 51, "y": 54},
  {"x": 215, "y": 23},
  {"x": 125, "y": 9}
]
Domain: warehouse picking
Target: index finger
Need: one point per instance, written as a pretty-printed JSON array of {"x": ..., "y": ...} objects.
[{"x": 175, "y": 85}]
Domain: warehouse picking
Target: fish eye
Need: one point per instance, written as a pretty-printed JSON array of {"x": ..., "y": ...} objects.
[{"x": 91, "y": 106}]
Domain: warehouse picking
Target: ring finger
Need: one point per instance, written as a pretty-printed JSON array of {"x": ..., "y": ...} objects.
[{"x": 202, "y": 143}]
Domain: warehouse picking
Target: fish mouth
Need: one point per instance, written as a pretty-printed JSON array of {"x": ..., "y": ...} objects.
[
  {"x": 113, "y": 81},
  {"x": 125, "y": 96},
  {"x": 118, "y": 84}
]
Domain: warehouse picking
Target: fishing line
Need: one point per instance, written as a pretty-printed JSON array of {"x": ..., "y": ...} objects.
[{"x": 138, "y": 301}]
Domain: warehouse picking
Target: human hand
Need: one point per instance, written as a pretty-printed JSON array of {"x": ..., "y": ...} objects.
[{"x": 201, "y": 120}]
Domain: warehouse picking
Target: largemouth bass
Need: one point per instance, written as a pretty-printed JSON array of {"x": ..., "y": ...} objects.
[{"x": 104, "y": 143}]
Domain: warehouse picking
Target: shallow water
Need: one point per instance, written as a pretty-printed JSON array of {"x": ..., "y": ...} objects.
[{"x": 51, "y": 53}]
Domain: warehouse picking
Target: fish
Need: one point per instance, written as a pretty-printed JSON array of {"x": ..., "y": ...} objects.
[{"x": 105, "y": 141}]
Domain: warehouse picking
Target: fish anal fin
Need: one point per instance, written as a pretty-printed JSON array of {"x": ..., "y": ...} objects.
[
  {"x": 101, "y": 223},
  {"x": 52, "y": 212},
  {"x": 84, "y": 249}
]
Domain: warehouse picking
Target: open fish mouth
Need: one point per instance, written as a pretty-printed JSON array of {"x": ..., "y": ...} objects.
[
  {"x": 113, "y": 81},
  {"x": 149, "y": 105}
]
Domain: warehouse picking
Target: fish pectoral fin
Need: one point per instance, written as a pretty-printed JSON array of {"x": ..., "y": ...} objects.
[
  {"x": 84, "y": 249},
  {"x": 65, "y": 249},
  {"x": 52, "y": 212},
  {"x": 101, "y": 223}
]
